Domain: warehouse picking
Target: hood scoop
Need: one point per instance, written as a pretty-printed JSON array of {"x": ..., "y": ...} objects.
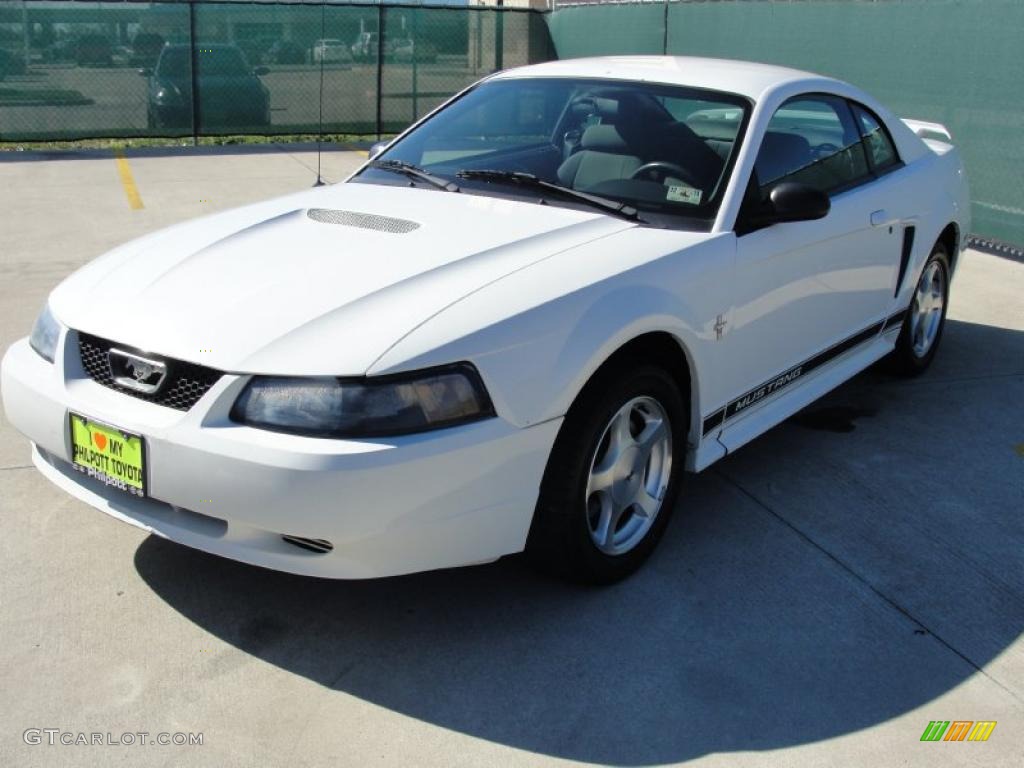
[{"x": 362, "y": 220}]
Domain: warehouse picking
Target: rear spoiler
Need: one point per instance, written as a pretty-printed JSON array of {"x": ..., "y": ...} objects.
[{"x": 929, "y": 130}]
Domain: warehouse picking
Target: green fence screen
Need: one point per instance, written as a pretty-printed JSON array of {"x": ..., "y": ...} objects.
[
  {"x": 72, "y": 70},
  {"x": 957, "y": 62}
]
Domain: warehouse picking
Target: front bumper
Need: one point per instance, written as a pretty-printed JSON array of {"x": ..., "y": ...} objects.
[{"x": 389, "y": 506}]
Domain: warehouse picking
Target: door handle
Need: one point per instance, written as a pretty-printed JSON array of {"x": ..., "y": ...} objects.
[{"x": 882, "y": 219}]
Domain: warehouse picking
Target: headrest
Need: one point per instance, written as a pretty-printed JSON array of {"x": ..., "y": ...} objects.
[
  {"x": 781, "y": 153},
  {"x": 605, "y": 108},
  {"x": 785, "y": 143},
  {"x": 604, "y": 138},
  {"x": 608, "y": 109}
]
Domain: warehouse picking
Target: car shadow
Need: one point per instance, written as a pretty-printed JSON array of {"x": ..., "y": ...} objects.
[{"x": 756, "y": 625}]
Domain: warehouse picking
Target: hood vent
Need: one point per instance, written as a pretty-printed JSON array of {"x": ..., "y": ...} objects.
[{"x": 362, "y": 220}]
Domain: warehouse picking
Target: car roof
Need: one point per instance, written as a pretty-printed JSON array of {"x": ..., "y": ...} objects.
[
  {"x": 204, "y": 46},
  {"x": 746, "y": 78}
]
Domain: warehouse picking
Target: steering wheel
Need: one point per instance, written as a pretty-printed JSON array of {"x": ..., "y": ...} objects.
[
  {"x": 826, "y": 150},
  {"x": 829, "y": 150},
  {"x": 664, "y": 168}
]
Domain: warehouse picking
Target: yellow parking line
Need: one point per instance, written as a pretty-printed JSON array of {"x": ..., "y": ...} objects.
[{"x": 127, "y": 180}]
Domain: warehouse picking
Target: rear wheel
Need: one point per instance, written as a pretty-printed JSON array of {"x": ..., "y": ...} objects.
[
  {"x": 613, "y": 475},
  {"x": 922, "y": 328}
]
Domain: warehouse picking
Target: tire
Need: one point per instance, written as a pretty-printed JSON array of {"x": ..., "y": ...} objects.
[
  {"x": 576, "y": 505},
  {"x": 926, "y": 318}
]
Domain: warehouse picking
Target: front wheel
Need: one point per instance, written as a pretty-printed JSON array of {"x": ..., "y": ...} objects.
[
  {"x": 922, "y": 328},
  {"x": 613, "y": 475}
]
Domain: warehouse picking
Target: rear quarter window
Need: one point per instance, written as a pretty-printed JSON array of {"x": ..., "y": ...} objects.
[{"x": 879, "y": 145}]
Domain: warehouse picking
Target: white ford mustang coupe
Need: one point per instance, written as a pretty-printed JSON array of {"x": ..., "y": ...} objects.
[{"x": 515, "y": 328}]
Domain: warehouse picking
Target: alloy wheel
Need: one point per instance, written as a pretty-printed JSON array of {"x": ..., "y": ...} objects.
[
  {"x": 629, "y": 475},
  {"x": 926, "y": 313}
]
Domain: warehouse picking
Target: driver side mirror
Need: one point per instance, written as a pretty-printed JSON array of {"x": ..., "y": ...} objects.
[
  {"x": 376, "y": 149},
  {"x": 787, "y": 202}
]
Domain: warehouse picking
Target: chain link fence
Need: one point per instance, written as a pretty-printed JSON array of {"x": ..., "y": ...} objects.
[{"x": 77, "y": 69}]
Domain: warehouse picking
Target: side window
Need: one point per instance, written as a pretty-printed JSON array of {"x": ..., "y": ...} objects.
[
  {"x": 812, "y": 140},
  {"x": 879, "y": 144}
]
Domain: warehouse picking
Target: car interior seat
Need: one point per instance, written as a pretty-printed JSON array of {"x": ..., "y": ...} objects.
[
  {"x": 603, "y": 156},
  {"x": 780, "y": 155}
]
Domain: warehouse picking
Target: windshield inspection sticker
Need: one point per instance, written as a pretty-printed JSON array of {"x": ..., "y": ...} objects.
[{"x": 684, "y": 194}]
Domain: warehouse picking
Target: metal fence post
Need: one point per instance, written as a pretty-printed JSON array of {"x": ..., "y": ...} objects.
[
  {"x": 664, "y": 23},
  {"x": 380, "y": 69},
  {"x": 415, "y": 63},
  {"x": 195, "y": 76},
  {"x": 25, "y": 34},
  {"x": 499, "y": 37}
]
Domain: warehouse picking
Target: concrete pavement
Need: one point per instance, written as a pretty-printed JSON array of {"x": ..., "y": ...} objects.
[{"x": 819, "y": 598}]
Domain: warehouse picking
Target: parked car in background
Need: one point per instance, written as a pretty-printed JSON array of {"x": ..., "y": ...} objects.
[
  {"x": 231, "y": 94},
  {"x": 146, "y": 47},
  {"x": 516, "y": 327},
  {"x": 254, "y": 48},
  {"x": 401, "y": 49},
  {"x": 330, "y": 51},
  {"x": 284, "y": 52},
  {"x": 365, "y": 47},
  {"x": 404, "y": 49},
  {"x": 93, "y": 49}
]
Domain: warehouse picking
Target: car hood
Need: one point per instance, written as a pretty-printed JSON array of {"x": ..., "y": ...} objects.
[
  {"x": 322, "y": 282},
  {"x": 219, "y": 83}
]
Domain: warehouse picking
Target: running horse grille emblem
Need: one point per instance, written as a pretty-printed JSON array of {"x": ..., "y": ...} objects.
[{"x": 132, "y": 371}]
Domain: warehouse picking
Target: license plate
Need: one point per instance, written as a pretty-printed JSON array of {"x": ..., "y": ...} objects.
[{"x": 112, "y": 456}]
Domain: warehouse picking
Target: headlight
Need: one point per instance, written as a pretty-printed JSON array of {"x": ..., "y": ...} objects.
[
  {"x": 44, "y": 334},
  {"x": 365, "y": 407}
]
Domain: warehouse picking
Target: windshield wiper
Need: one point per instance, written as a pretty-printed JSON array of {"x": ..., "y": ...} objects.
[
  {"x": 529, "y": 180},
  {"x": 415, "y": 172}
]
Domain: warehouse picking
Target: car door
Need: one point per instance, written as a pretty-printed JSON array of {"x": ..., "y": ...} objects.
[
  {"x": 894, "y": 201},
  {"x": 804, "y": 287}
]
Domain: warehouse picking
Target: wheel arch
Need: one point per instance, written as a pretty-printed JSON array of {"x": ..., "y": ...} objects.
[
  {"x": 950, "y": 238},
  {"x": 666, "y": 349}
]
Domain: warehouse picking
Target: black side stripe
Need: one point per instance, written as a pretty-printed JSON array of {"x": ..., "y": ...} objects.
[
  {"x": 777, "y": 383},
  {"x": 714, "y": 420}
]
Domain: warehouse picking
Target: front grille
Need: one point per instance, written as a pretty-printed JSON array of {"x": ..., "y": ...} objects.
[{"x": 185, "y": 383}]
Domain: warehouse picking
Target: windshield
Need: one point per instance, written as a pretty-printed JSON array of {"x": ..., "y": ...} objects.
[
  {"x": 664, "y": 150},
  {"x": 176, "y": 62}
]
